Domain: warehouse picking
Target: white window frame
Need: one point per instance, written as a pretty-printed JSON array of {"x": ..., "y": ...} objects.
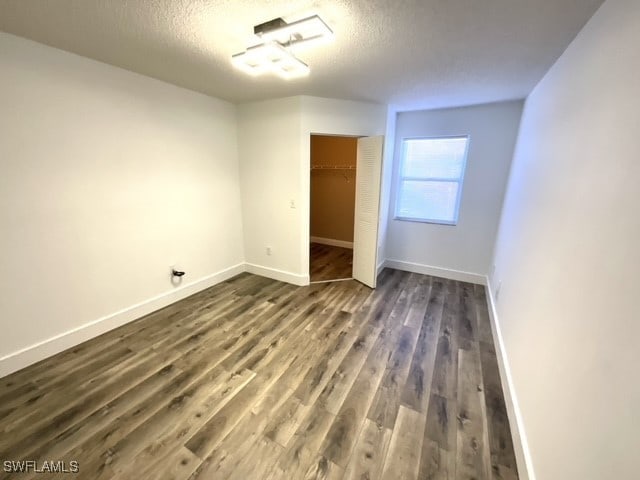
[{"x": 459, "y": 181}]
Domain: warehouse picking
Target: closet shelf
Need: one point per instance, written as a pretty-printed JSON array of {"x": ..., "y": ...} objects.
[{"x": 333, "y": 167}]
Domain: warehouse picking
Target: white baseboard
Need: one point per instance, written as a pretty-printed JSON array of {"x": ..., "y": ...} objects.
[
  {"x": 332, "y": 242},
  {"x": 436, "y": 271},
  {"x": 41, "y": 350},
  {"x": 44, "y": 349},
  {"x": 276, "y": 274},
  {"x": 381, "y": 266},
  {"x": 521, "y": 447}
]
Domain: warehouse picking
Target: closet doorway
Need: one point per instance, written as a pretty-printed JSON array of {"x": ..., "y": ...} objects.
[{"x": 332, "y": 207}]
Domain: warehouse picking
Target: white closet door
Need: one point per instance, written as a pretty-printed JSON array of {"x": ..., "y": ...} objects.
[{"x": 365, "y": 236}]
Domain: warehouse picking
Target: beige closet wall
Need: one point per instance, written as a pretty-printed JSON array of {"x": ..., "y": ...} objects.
[{"x": 333, "y": 192}]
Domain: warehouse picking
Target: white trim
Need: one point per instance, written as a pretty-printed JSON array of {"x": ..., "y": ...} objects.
[
  {"x": 332, "y": 242},
  {"x": 521, "y": 447},
  {"x": 436, "y": 271},
  {"x": 46, "y": 348},
  {"x": 58, "y": 343},
  {"x": 381, "y": 266},
  {"x": 331, "y": 281},
  {"x": 276, "y": 274}
]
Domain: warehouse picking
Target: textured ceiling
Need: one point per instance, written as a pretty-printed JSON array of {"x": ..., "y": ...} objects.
[{"x": 408, "y": 53}]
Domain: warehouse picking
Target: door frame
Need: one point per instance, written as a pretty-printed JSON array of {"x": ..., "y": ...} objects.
[
  {"x": 305, "y": 206},
  {"x": 307, "y": 235}
]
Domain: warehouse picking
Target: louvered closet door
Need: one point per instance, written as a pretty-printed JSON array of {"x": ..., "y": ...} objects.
[{"x": 365, "y": 237}]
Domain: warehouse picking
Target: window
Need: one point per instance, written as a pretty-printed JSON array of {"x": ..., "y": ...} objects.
[{"x": 430, "y": 179}]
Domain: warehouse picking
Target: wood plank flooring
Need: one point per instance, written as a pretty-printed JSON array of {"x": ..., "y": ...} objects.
[
  {"x": 327, "y": 262},
  {"x": 257, "y": 379}
]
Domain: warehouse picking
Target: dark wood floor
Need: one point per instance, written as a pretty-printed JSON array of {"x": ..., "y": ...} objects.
[
  {"x": 257, "y": 379},
  {"x": 329, "y": 263}
]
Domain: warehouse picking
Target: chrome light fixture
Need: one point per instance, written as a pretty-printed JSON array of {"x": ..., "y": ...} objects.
[{"x": 278, "y": 38}]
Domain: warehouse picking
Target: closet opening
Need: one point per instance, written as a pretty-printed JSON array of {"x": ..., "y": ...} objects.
[{"x": 332, "y": 207}]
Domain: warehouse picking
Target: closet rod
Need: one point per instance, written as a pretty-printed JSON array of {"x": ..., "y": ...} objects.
[{"x": 333, "y": 167}]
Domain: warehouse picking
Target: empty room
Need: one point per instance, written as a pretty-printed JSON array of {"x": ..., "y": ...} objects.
[{"x": 297, "y": 240}]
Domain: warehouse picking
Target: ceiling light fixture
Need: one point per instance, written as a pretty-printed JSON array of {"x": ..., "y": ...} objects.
[{"x": 278, "y": 37}]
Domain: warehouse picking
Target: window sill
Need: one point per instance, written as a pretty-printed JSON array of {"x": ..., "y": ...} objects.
[{"x": 431, "y": 222}]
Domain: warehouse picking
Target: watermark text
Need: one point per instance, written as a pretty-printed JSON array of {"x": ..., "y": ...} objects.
[{"x": 44, "y": 466}]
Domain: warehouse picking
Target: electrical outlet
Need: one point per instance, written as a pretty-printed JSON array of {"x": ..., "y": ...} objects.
[
  {"x": 498, "y": 290},
  {"x": 292, "y": 204},
  {"x": 268, "y": 251}
]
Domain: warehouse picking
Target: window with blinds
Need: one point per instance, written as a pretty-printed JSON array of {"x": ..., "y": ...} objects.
[{"x": 430, "y": 179}]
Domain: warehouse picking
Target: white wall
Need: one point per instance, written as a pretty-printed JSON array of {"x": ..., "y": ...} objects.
[
  {"x": 275, "y": 157},
  {"x": 462, "y": 251},
  {"x": 107, "y": 178},
  {"x": 567, "y": 256},
  {"x": 387, "y": 178},
  {"x": 269, "y": 150}
]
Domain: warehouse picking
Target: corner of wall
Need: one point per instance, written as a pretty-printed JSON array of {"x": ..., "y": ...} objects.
[
  {"x": 279, "y": 275},
  {"x": 434, "y": 271},
  {"x": 386, "y": 184},
  {"x": 521, "y": 447},
  {"x": 51, "y": 346}
]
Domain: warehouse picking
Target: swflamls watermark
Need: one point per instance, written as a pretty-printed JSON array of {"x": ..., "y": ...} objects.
[{"x": 45, "y": 466}]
